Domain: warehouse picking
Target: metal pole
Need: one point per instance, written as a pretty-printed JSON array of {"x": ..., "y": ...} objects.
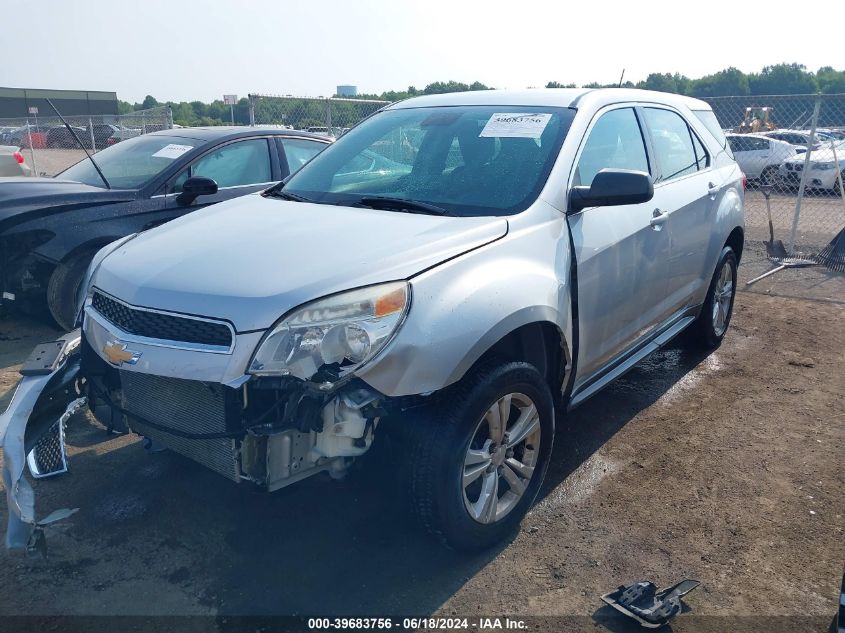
[
  {"x": 143, "y": 124},
  {"x": 232, "y": 110},
  {"x": 251, "y": 111},
  {"x": 804, "y": 171},
  {"x": 328, "y": 116},
  {"x": 31, "y": 148},
  {"x": 91, "y": 129},
  {"x": 838, "y": 171}
]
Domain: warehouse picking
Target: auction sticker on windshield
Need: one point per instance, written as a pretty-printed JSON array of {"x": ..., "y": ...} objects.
[
  {"x": 172, "y": 150},
  {"x": 516, "y": 125}
]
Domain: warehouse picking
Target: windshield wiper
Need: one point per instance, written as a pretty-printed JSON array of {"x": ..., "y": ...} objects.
[
  {"x": 284, "y": 195},
  {"x": 401, "y": 204}
]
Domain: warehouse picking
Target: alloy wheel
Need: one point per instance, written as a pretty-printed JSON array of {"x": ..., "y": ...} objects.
[
  {"x": 722, "y": 298},
  {"x": 501, "y": 458}
]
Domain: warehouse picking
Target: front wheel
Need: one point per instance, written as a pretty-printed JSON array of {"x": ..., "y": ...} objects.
[
  {"x": 708, "y": 330},
  {"x": 479, "y": 456},
  {"x": 63, "y": 288}
]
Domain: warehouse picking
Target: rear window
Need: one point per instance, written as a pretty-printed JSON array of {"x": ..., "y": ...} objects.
[{"x": 708, "y": 118}]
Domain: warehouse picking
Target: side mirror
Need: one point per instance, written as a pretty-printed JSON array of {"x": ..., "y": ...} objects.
[
  {"x": 612, "y": 187},
  {"x": 195, "y": 187}
]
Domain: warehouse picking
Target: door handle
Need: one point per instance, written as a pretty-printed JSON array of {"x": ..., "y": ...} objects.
[
  {"x": 712, "y": 188},
  {"x": 658, "y": 217}
]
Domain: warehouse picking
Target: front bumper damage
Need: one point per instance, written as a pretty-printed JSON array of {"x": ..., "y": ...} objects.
[
  {"x": 40, "y": 399},
  {"x": 271, "y": 432}
]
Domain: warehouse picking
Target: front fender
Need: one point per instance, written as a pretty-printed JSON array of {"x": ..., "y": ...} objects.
[{"x": 461, "y": 308}]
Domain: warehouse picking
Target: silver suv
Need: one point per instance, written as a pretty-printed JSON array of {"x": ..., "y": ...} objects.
[{"x": 451, "y": 273}]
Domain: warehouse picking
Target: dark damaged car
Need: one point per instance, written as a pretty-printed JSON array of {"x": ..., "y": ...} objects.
[{"x": 50, "y": 228}]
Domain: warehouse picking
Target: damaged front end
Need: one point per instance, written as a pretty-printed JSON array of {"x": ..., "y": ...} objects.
[
  {"x": 32, "y": 429},
  {"x": 270, "y": 431}
]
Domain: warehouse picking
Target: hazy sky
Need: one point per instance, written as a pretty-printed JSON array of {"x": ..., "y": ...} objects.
[{"x": 200, "y": 49}]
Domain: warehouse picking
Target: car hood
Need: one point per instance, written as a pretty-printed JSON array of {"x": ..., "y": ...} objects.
[
  {"x": 27, "y": 196},
  {"x": 252, "y": 259}
]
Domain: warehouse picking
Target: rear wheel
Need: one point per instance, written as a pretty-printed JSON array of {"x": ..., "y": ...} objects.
[
  {"x": 708, "y": 330},
  {"x": 63, "y": 287},
  {"x": 478, "y": 457}
]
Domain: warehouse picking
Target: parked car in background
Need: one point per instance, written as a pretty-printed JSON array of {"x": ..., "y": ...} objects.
[
  {"x": 823, "y": 171},
  {"x": 760, "y": 156},
  {"x": 20, "y": 135},
  {"x": 12, "y": 162},
  {"x": 838, "y": 135},
  {"x": 122, "y": 133},
  {"x": 93, "y": 137},
  {"x": 800, "y": 139},
  {"x": 50, "y": 228},
  {"x": 450, "y": 301}
]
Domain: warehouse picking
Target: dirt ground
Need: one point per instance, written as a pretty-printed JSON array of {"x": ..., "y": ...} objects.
[{"x": 727, "y": 468}]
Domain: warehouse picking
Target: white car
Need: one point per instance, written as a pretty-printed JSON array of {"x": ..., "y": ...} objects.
[
  {"x": 825, "y": 166},
  {"x": 801, "y": 139},
  {"x": 12, "y": 162},
  {"x": 759, "y": 156}
]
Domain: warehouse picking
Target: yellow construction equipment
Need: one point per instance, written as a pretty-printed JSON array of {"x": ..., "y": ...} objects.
[{"x": 756, "y": 120}]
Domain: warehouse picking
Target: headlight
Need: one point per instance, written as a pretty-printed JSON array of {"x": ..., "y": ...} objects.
[
  {"x": 343, "y": 331},
  {"x": 823, "y": 166}
]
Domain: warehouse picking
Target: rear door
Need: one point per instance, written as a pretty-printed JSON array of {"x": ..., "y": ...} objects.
[
  {"x": 687, "y": 189},
  {"x": 621, "y": 251},
  {"x": 238, "y": 167}
]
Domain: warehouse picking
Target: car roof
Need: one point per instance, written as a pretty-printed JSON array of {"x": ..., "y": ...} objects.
[
  {"x": 551, "y": 97},
  {"x": 751, "y": 135},
  {"x": 788, "y": 131},
  {"x": 217, "y": 132}
]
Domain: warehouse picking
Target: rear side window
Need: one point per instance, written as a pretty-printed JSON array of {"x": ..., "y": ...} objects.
[
  {"x": 673, "y": 144},
  {"x": 299, "y": 151},
  {"x": 709, "y": 120},
  {"x": 616, "y": 142}
]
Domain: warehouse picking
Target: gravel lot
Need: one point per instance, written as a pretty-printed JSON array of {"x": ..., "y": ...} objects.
[{"x": 726, "y": 468}]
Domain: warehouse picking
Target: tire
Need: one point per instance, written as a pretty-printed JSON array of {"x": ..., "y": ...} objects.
[
  {"x": 770, "y": 176},
  {"x": 62, "y": 289},
  {"x": 708, "y": 330},
  {"x": 442, "y": 436}
]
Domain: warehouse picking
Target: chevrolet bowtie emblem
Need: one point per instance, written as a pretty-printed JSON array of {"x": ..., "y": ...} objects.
[{"x": 117, "y": 354}]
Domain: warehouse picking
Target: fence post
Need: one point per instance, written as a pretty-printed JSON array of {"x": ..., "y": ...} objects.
[
  {"x": 251, "y": 110},
  {"x": 328, "y": 116},
  {"x": 169, "y": 118},
  {"x": 804, "y": 170},
  {"x": 91, "y": 130},
  {"x": 31, "y": 148}
]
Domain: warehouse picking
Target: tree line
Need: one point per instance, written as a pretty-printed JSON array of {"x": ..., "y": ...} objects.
[{"x": 779, "y": 79}]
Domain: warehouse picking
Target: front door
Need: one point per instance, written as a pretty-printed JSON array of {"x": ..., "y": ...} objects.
[
  {"x": 238, "y": 168},
  {"x": 621, "y": 251}
]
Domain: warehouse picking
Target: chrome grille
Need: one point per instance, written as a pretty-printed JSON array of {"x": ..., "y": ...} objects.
[
  {"x": 189, "y": 406},
  {"x": 142, "y": 322}
]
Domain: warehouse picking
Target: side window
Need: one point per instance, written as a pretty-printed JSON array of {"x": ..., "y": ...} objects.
[
  {"x": 701, "y": 156},
  {"x": 299, "y": 151},
  {"x": 676, "y": 155},
  {"x": 240, "y": 163},
  {"x": 615, "y": 141}
]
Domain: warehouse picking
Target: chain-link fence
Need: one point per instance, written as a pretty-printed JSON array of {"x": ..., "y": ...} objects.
[
  {"x": 49, "y": 147},
  {"x": 331, "y": 116},
  {"x": 792, "y": 150}
]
